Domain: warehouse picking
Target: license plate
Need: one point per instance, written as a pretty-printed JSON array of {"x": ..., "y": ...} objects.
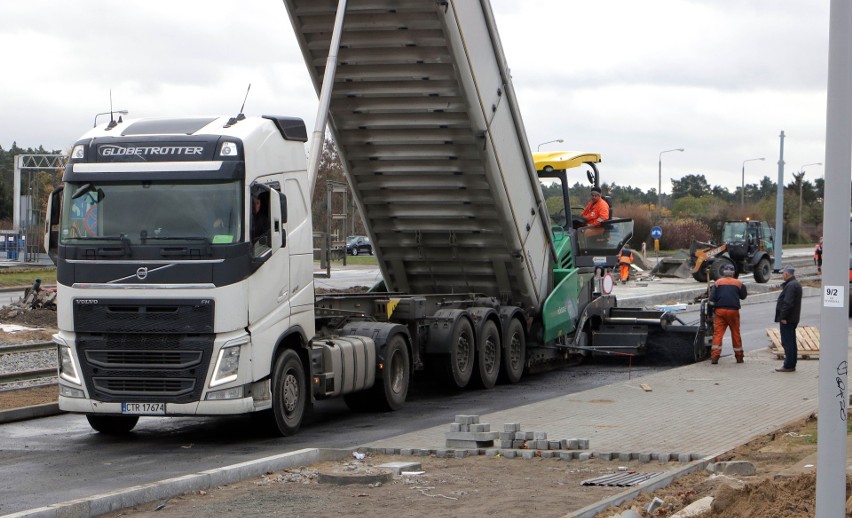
[{"x": 143, "y": 408}]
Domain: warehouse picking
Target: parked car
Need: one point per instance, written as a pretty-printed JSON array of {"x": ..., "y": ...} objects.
[{"x": 359, "y": 245}]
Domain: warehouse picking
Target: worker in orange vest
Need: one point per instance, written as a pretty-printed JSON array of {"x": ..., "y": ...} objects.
[
  {"x": 818, "y": 256},
  {"x": 725, "y": 299},
  {"x": 625, "y": 259}
]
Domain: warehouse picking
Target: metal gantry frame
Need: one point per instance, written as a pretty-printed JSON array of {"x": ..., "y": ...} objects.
[{"x": 29, "y": 227}]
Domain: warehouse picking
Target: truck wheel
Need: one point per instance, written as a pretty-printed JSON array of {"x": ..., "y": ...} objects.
[
  {"x": 700, "y": 275},
  {"x": 718, "y": 264},
  {"x": 354, "y": 251},
  {"x": 762, "y": 271},
  {"x": 459, "y": 366},
  {"x": 112, "y": 424},
  {"x": 396, "y": 375},
  {"x": 289, "y": 393},
  {"x": 515, "y": 353},
  {"x": 488, "y": 356}
]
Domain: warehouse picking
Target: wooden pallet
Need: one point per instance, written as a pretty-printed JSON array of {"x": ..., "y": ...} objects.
[{"x": 807, "y": 342}]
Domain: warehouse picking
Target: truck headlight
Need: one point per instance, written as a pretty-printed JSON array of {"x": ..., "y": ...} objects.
[
  {"x": 227, "y": 365},
  {"x": 67, "y": 367}
]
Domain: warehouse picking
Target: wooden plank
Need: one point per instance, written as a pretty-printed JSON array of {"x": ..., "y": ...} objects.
[{"x": 645, "y": 387}]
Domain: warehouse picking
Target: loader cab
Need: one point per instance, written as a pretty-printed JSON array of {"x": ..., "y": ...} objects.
[{"x": 578, "y": 246}]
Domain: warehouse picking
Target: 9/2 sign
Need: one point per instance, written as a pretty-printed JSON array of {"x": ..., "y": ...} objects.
[{"x": 833, "y": 296}]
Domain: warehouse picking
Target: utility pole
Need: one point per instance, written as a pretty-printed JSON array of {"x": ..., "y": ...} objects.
[
  {"x": 834, "y": 351},
  {"x": 779, "y": 208}
]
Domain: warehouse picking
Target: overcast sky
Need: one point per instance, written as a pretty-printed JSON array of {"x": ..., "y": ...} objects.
[{"x": 623, "y": 78}]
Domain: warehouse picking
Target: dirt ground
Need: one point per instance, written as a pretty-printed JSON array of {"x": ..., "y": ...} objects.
[{"x": 483, "y": 486}]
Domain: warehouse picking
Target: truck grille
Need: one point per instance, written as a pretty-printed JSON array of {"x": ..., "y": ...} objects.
[
  {"x": 149, "y": 368},
  {"x": 123, "y": 387}
]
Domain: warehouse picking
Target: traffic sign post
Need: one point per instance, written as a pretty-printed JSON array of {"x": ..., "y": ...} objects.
[{"x": 657, "y": 233}]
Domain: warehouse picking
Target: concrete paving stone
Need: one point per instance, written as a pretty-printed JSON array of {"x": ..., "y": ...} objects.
[
  {"x": 467, "y": 419},
  {"x": 464, "y": 427},
  {"x": 585, "y": 456},
  {"x": 472, "y": 436},
  {"x": 524, "y": 436},
  {"x": 398, "y": 467},
  {"x": 406, "y": 451},
  {"x": 548, "y": 454},
  {"x": 736, "y": 467},
  {"x": 574, "y": 444},
  {"x": 518, "y": 444},
  {"x": 624, "y": 457},
  {"x": 460, "y": 454},
  {"x": 606, "y": 456},
  {"x": 391, "y": 451},
  {"x": 507, "y": 444},
  {"x": 528, "y": 454},
  {"x": 455, "y": 427},
  {"x": 507, "y": 436},
  {"x": 442, "y": 454},
  {"x": 509, "y": 454},
  {"x": 583, "y": 444},
  {"x": 541, "y": 444},
  {"x": 491, "y": 452},
  {"x": 684, "y": 457},
  {"x": 481, "y": 427},
  {"x": 539, "y": 435},
  {"x": 554, "y": 445},
  {"x": 566, "y": 455},
  {"x": 425, "y": 453},
  {"x": 511, "y": 427},
  {"x": 644, "y": 457},
  {"x": 697, "y": 456}
]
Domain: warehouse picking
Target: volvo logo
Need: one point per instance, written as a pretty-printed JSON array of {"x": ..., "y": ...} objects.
[{"x": 142, "y": 273}]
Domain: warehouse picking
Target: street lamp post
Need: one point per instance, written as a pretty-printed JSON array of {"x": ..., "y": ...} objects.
[
  {"x": 742, "y": 189},
  {"x": 549, "y": 142},
  {"x": 801, "y": 185},
  {"x": 660, "y": 179}
]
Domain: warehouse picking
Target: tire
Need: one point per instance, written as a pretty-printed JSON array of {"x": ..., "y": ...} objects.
[
  {"x": 112, "y": 424},
  {"x": 700, "y": 275},
  {"x": 718, "y": 264},
  {"x": 354, "y": 251},
  {"x": 459, "y": 363},
  {"x": 289, "y": 393},
  {"x": 370, "y": 250},
  {"x": 514, "y": 353},
  {"x": 488, "y": 352},
  {"x": 763, "y": 271}
]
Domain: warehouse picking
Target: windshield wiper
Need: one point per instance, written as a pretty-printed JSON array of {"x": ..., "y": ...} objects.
[
  {"x": 104, "y": 251},
  {"x": 178, "y": 238}
]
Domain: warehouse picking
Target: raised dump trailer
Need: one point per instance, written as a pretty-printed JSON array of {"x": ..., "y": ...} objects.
[{"x": 425, "y": 118}]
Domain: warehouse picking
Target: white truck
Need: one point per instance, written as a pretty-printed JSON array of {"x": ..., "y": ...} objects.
[{"x": 176, "y": 296}]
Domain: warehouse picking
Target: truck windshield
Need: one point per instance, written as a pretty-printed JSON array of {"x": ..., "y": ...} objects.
[{"x": 150, "y": 211}]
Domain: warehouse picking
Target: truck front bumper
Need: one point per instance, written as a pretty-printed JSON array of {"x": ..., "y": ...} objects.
[{"x": 196, "y": 408}]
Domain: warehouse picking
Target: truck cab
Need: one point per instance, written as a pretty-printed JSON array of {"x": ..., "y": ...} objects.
[{"x": 184, "y": 257}]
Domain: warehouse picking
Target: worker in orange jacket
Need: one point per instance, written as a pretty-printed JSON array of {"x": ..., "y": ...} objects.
[
  {"x": 596, "y": 211},
  {"x": 625, "y": 259},
  {"x": 818, "y": 256},
  {"x": 725, "y": 298}
]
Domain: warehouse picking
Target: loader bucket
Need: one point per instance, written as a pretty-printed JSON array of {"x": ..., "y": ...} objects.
[{"x": 673, "y": 267}]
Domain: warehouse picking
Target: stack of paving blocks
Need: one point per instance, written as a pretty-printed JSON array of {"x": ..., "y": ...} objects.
[
  {"x": 468, "y": 432},
  {"x": 513, "y": 437}
]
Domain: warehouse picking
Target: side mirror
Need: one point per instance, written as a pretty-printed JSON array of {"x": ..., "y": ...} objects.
[{"x": 51, "y": 223}]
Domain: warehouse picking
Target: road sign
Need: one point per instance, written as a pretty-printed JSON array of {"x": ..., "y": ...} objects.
[{"x": 656, "y": 232}]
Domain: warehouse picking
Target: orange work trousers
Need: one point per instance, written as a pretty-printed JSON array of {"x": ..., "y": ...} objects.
[
  {"x": 726, "y": 318},
  {"x": 625, "y": 272}
]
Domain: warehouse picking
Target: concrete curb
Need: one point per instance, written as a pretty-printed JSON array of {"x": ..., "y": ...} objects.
[
  {"x": 29, "y": 412},
  {"x": 146, "y": 493}
]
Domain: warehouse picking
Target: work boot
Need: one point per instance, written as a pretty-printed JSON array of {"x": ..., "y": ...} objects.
[
  {"x": 740, "y": 360},
  {"x": 714, "y": 361}
]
